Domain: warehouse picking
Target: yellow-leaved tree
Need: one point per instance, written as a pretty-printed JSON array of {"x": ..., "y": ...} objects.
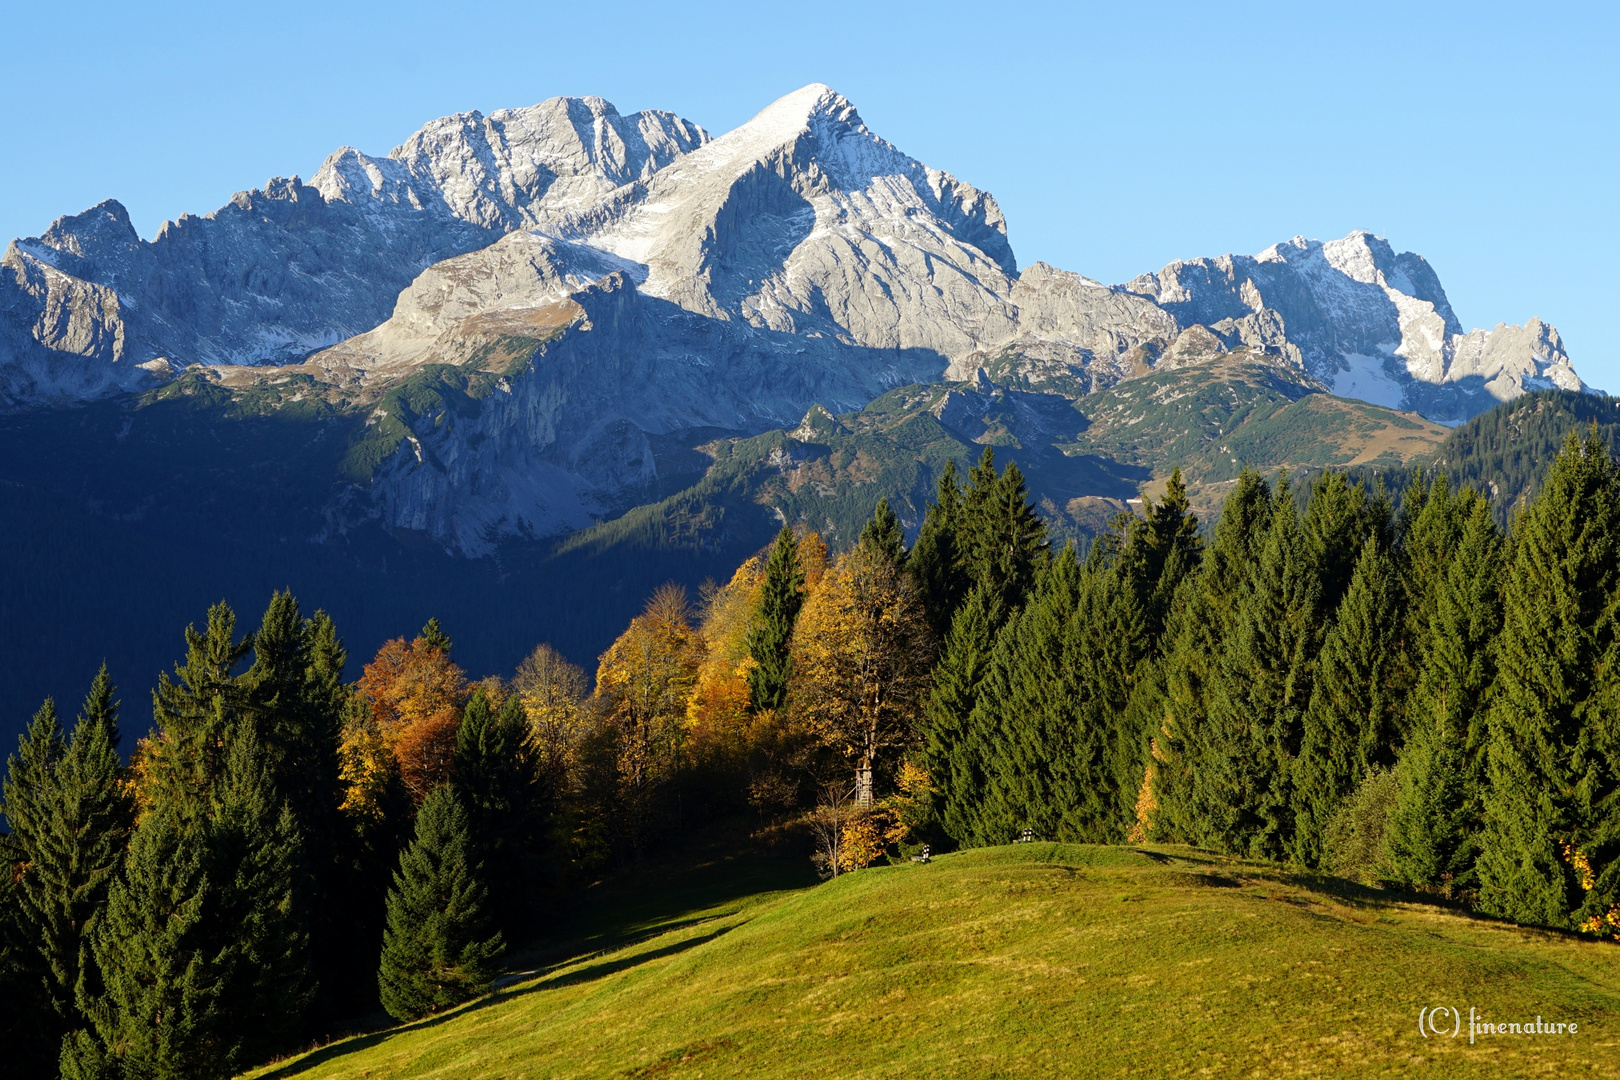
[
  {"x": 718, "y": 706},
  {"x": 553, "y": 694},
  {"x": 861, "y": 651},
  {"x": 643, "y": 683}
]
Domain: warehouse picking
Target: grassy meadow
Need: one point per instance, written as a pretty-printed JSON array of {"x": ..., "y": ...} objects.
[{"x": 1034, "y": 960}]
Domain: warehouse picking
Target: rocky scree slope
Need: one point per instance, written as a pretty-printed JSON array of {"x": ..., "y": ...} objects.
[{"x": 605, "y": 285}]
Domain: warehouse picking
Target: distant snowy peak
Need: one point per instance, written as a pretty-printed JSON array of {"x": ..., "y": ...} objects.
[{"x": 1365, "y": 320}]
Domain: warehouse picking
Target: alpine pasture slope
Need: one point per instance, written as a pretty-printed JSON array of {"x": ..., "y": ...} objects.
[{"x": 1032, "y": 960}]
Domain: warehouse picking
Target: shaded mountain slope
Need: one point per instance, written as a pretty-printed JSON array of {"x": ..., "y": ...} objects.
[{"x": 1084, "y": 460}]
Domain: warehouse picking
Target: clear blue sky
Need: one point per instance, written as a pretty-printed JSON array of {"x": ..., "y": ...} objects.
[{"x": 1116, "y": 137}]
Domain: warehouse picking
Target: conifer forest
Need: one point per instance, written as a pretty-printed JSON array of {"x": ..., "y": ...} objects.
[{"x": 1386, "y": 685}]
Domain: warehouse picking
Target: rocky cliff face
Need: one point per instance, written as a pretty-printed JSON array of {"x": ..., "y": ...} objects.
[
  {"x": 280, "y": 272},
  {"x": 614, "y": 281},
  {"x": 1367, "y": 322}
]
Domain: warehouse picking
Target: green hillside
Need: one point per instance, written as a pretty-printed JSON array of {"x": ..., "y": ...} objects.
[
  {"x": 1506, "y": 451},
  {"x": 1037, "y": 960}
]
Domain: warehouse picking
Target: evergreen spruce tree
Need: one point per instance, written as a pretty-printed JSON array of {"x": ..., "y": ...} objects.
[
  {"x": 1337, "y": 521},
  {"x": 1198, "y": 767},
  {"x": 1350, "y": 725},
  {"x": 202, "y": 962},
  {"x": 771, "y": 637},
  {"x": 295, "y": 697},
  {"x": 73, "y": 861},
  {"x": 1109, "y": 646},
  {"x": 934, "y": 562},
  {"x": 1161, "y": 549},
  {"x": 100, "y": 708},
  {"x": 1002, "y": 539},
  {"x": 297, "y": 720},
  {"x": 438, "y": 948},
  {"x": 1433, "y": 835},
  {"x": 1027, "y": 711},
  {"x": 884, "y": 533},
  {"x": 197, "y": 716},
  {"x": 1551, "y": 854},
  {"x": 1163, "y": 552},
  {"x": 29, "y": 804},
  {"x": 18, "y": 1030},
  {"x": 434, "y": 637},
  {"x": 955, "y": 761},
  {"x": 159, "y": 1014},
  {"x": 1073, "y": 664},
  {"x": 1432, "y": 520},
  {"x": 498, "y": 776},
  {"x": 1428, "y": 531},
  {"x": 259, "y": 914},
  {"x": 1257, "y": 691}
]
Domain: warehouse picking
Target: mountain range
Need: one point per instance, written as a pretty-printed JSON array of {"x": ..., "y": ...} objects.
[{"x": 594, "y": 288}]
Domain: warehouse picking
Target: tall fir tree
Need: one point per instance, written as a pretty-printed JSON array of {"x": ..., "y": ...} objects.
[
  {"x": 1199, "y": 771},
  {"x": 770, "y": 639},
  {"x": 884, "y": 533},
  {"x": 1160, "y": 550},
  {"x": 159, "y": 1013},
  {"x": 1433, "y": 834},
  {"x": 934, "y": 561},
  {"x": 202, "y": 959},
  {"x": 1256, "y": 694},
  {"x": 1026, "y": 713},
  {"x": 72, "y": 863},
  {"x": 1350, "y": 724},
  {"x": 1336, "y": 524},
  {"x": 29, "y": 794},
  {"x": 1060, "y": 754},
  {"x": 500, "y": 780},
  {"x": 100, "y": 708},
  {"x": 260, "y": 912},
  {"x": 439, "y": 948},
  {"x": 434, "y": 637},
  {"x": 954, "y": 759},
  {"x": 18, "y": 1029},
  {"x": 1551, "y": 852},
  {"x": 196, "y": 716},
  {"x": 1002, "y": 540},
  {"x": 1109, "y": 645},
  {"x": 295, "y": 697}
]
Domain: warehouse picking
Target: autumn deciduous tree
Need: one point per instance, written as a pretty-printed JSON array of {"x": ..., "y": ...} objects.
[
  {"x": 642, "y": 685},
  {"x": 415, "y": 695},
  {"x": 860, "y": 660},
  {"x": 719, "y": 701},
  {"x": 552, "y": 691}
]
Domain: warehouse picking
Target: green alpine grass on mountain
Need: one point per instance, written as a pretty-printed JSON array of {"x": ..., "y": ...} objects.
[{"x": 1034, "y": 960}]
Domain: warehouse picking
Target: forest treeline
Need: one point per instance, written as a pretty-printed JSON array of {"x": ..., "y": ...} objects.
[{"x": 1399, "y": 691}]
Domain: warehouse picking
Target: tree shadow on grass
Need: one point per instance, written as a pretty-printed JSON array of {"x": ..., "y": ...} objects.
[{"x": 586, "y": 974}]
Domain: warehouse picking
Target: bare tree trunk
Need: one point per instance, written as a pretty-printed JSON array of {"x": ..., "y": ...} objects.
[{"x": 863, "y": 783}]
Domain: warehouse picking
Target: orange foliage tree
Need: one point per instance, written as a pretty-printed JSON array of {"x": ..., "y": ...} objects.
[{"x": 414, "y": 694}]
